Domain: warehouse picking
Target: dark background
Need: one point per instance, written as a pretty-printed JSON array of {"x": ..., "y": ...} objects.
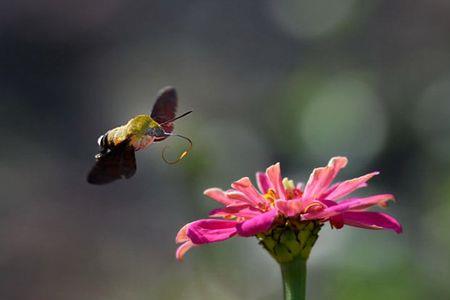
[{"x": 292, "y": 81}]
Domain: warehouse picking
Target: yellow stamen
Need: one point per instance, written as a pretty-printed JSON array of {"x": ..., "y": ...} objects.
[{"x": 271, "y": 196}]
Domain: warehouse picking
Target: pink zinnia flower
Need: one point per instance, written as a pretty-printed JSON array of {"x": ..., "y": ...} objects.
[{"x": 248, "y": 211}]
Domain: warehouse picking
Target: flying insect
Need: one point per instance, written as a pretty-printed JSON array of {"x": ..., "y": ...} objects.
[{"x": 116, "y": 159}]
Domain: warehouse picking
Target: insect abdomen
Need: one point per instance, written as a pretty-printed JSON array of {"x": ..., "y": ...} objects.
[
  {"x": 103, "y": 141},
  {"x": 111, "y": 138}
]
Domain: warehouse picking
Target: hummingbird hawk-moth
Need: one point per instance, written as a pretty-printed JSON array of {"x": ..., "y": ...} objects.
[{"x": 116, "y": 158}]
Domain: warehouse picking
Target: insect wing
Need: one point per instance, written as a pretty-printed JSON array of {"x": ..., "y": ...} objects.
[
  {"x": 165, "y": 108},
  {"x": 119, "y": 162}
]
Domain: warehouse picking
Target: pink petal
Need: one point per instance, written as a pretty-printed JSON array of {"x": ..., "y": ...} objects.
[
  {"x": 211, "y": 230},
  {"x": 219, "y": 195},
  {"x": 328, "y": 203},
  {"x": 372, "y": 220},
  {"x": 182, "y": 234},
  {"x": 334, "y": 186},
  {"x": 244, "y": 185},
  {"x": 263, "y": 182},
  {"x": 350, "y": 204},
  {"x": 238, "y": 197},
  {"x": 289, "y": 208},
  {"x": 365, "y": 202},
  {"x": 243, "y": 211},
  {"x": 181, "y": 251},
  {"x": 274, "y": 174},
  {"x": 321, "y": 178},
  {"x": 344, "y": 188},
  {"x": 337, "y": 221},
  {"x": 258, "y": 224}
]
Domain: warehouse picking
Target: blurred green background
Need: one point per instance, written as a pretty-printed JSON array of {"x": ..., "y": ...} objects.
[{"x": 289, "y": 81}]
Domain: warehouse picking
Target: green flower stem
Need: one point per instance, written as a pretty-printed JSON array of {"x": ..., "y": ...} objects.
[{"x": 294, "y": 278}]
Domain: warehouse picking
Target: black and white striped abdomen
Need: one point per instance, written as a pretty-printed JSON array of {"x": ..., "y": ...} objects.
[{"x": 102, "y": 141}]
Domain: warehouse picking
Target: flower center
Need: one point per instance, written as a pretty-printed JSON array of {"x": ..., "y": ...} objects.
[
  {"x": 292, "y": 192},
  {"x": 271, "y": 196}
]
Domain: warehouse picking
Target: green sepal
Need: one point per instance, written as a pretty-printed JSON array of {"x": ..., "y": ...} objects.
[
  {"x": 291, "y": 238},
  {"x": 282, "y": 253}
]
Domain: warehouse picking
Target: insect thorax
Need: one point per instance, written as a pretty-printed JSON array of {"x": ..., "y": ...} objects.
[{"x": 138, "y": 130}]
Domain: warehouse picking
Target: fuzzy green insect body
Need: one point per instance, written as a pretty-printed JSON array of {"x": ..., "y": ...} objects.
[{"x": 141, "y": 131}]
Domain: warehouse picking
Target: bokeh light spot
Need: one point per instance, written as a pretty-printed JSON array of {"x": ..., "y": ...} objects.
[
  {"x": 432, "y": 118},
  {"x": 306, "y": 19},
  {"x": 344, "y": 117}
]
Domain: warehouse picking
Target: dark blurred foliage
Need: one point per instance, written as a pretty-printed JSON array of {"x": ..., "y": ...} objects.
[{"x": 292, "y": 81}]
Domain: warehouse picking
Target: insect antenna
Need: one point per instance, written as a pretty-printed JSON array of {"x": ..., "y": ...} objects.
[
  {"x": 182, "y": 155},
  {"x": 176, "y": 118}
]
